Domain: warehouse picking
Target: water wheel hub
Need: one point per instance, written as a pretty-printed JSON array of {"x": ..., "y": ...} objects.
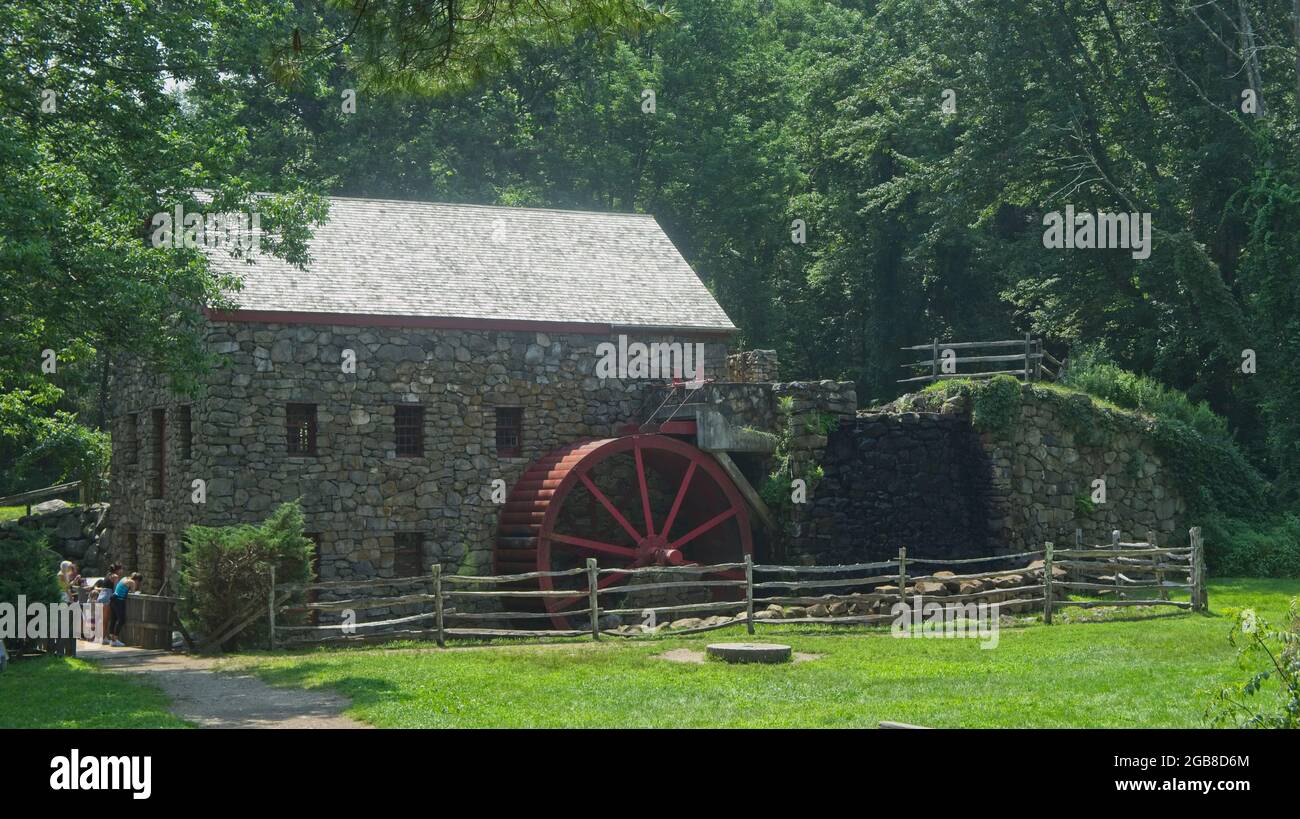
[{"x": 654, "y": 550}]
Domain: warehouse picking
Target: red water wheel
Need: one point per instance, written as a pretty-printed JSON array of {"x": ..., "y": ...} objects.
[{"x": 630, "y": 502}]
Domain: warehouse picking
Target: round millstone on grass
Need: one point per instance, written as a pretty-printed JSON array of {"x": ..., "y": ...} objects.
[{"x": 750, "y": 652}]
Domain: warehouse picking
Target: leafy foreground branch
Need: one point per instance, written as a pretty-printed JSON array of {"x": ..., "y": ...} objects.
[{"x": 1248, "y": 704}]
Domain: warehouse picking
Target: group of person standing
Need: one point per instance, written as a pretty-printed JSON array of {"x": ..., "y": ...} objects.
[{"x": 107, "y": 597}]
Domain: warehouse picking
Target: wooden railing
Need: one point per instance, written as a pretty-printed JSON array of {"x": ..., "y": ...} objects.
[
  {"x": 1029, "y": 362},
  {"x": 1115, "y": 571},
  {"x": 861, "y": 593},
  {"x": 26, "y": 498}
]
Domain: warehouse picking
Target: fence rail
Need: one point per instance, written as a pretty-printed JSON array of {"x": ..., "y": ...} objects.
[
  {"x": 861, "y": 594},
  {"x": 26, "y": 498},
  {"x": 1035, "y": 363}
]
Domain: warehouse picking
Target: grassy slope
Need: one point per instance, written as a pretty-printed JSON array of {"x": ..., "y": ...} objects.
[
  {"x": 1153, "y": 672},
  {"x": 58, "y": 692}
]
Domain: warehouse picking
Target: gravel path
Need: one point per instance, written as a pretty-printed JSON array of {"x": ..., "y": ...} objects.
[{"x": 212, "y": 699}]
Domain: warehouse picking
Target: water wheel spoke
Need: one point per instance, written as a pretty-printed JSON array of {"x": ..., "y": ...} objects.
[
  {"x": 609, "y": 507},
  {"x": 645, "y": 491},
  {"x": 702, "y": 528},
  {"x": 527, "y": 531},
  {"x": 594, "y": 545},
  {"x": 681, "y": 496}
]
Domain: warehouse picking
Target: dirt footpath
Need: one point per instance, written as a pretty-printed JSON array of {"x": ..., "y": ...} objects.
[{"x": 210, "y": 699}]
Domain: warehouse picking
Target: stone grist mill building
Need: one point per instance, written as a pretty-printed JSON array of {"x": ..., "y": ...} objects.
[{"x": 432, "y": 388}]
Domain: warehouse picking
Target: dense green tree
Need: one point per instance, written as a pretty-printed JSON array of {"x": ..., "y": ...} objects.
[{"x": 921, "y": 220}]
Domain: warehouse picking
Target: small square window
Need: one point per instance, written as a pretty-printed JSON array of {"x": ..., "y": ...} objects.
[
  {"x": 510, "y": 428},
  {"x": 300, "y": 427},
  {"x": 184, "y": 422},
  {"x": 408, "y": 554},
  {"x": 408, "y": 425}
]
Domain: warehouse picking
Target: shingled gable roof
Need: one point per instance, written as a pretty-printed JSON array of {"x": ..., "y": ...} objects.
[{"x": 388, "y": 262}]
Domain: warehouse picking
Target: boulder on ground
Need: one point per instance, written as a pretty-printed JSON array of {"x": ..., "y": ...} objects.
[
  {"x": 970, "y": 586},
  {"x": 686, "y": 622},
  {"x": 1035, "y": 570},
  {"x": 819, "y": 610},
  {"x": 838, "y": 609},
  {"x": 1008, "y": 581},
  {"x": 794, "y": 612},
  {"x": 944, "y": 577},
  {"x": 931, "y": 588},
  {"x": 46, "y": 507}
]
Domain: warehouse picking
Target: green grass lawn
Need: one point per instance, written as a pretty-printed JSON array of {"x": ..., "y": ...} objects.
[
  {"x": 16, "y": 512},
  {"x": 62, "y": 692},
  {"x": 1154, "y": 672}
]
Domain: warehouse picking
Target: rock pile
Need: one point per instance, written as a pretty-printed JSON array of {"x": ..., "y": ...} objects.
[
  {"x": 1006, "y": 589},
  {"x": 73, "y": 532}
]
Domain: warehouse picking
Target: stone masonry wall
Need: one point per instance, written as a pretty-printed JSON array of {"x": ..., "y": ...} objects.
[
  {"x": 1044, "y": 464},
  {"x": 356, "y": 493},
  {"x": 929, "y": 481},
  {"x": 72, "y": 532},
  {"x": 919, "y": 480},
  {"x": 753, "y": 367}
]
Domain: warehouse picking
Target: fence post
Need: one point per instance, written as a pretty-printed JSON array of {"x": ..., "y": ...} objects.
[
  {"x": 1073, "y": 574},
  {"x": 1159, "y": 565},
  {"x": 749, "y": 593},
  {"x": 902, "y": 574},
  {"x": 1114, "y": 545},
  {"x": 270, "y": 609},
  {"x": 1199, "y": 600},
  {"x": 437, "y": 604},
  {"x": 934, "y": 360},
  {"x": 593, "y": 598},
  {"x": 1047, "y": 583},
  {"x": 1029, "y": 349}
]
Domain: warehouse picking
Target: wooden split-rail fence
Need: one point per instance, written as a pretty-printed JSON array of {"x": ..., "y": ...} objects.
[
  {"x": 862, "y": 593},
  {"x": 1029, "y": 362},
  {"x": 1132, "y": 573},
  {"x": 27, "y": 499}
]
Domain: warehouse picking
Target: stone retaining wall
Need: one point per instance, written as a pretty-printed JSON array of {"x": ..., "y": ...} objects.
[
  {"x": 919, "y": 480},
  {"x": 73, "y": 532},
  {"x": 1045, "y": 463},
  {"x": 753, "y": 367},
  {"x": 933, "y": 483}
]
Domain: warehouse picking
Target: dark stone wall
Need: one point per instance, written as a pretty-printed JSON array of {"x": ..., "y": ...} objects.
[{"x": 919, "y": 480}]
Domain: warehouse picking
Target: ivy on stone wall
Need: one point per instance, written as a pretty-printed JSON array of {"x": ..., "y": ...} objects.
[
  {"x": 776, "y": 489},
  {"x": 1224, "y": 493},
  {"x": 994, "y": 403}
]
